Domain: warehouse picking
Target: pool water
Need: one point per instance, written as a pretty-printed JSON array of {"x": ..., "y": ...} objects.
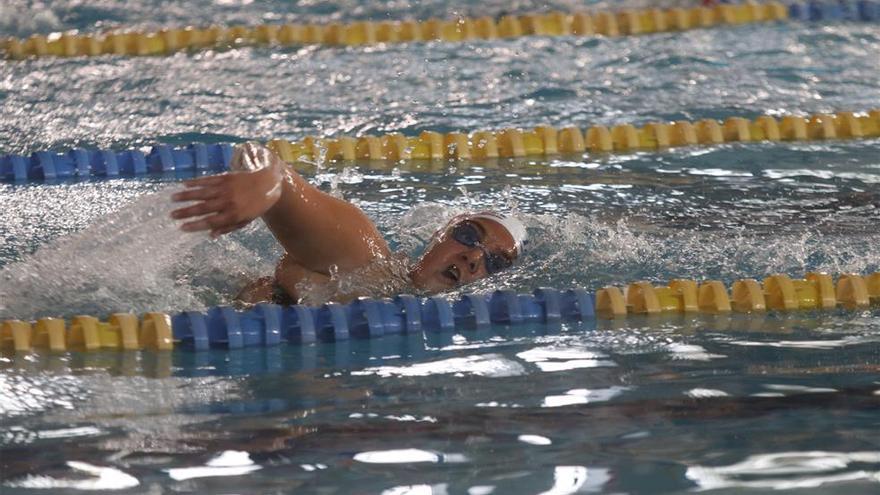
[{"x": 724, "y": 404}]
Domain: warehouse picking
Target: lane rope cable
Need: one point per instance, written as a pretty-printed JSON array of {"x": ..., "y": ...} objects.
[
  {"x": 430, "y": 149},
  {"x": 268, "y": 325},
  {"x": 606, "y": 23}
]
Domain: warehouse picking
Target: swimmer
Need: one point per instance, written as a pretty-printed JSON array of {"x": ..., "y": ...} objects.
[{"x": 333, "y": 251}]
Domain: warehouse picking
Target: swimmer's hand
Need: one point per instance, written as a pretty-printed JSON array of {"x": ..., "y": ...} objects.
[{"x": 228, "y": 202}]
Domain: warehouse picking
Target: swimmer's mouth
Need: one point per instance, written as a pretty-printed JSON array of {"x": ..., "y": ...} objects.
[{"x": 452, "y": 273}]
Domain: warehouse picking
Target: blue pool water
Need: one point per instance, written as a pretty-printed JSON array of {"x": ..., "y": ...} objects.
[{"x": 739, "y": 404}]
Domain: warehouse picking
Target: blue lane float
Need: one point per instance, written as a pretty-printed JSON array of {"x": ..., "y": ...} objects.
[
  {"x": 84, "y": 163},
  {"x": 199, "y": 158},
  {"x": 266, "y": 325},
  {"x": 863, "y": 11}
]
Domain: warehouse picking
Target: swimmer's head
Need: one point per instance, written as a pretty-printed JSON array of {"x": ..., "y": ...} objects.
[{"x": 468, "y": 248}]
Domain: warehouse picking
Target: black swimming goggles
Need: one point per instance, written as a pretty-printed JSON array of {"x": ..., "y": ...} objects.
[{"x": 467, "y": 233}]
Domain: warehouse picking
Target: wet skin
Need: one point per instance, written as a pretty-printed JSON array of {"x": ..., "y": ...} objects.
[
  {"x": 448, "y": 264},
  {"x": 320, "y": 232}
]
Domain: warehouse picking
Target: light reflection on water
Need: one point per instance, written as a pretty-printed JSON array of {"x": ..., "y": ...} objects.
[
  {"x": 582, "y": 396},
  {"x": 229, "y": 463},
  {"x": 589, "y": 229},
  {"x": 459, "y": 407},
  {"x": 490, "y": 365},
  {"x": 260, "y": 93},
  {"x": 405, "y": 456},
  {"x": 789, "y": 470},
  {"x": 646, "y": 405},
  {"x": 101, "y": 478}
]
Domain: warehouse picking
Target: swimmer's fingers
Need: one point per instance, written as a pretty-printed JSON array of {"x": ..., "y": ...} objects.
[
  {"x": 212, "y": 222},
  {"x": 208, "y": 180},
  {"x": 200, "y": 194},
  {"x": 203, "y": 208}
]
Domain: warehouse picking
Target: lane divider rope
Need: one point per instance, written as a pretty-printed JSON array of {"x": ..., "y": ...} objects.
[
  {"x": 411, "y": 152},
  {"x": 617, "y": 23},
  {"x": 267, "y": 325}
]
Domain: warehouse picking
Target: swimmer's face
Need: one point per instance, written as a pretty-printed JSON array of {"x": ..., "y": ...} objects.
[{"x": 467, "y": 250}]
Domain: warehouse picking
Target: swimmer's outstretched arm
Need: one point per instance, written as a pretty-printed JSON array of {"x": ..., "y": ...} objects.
[{"x": 317, "y": 230}]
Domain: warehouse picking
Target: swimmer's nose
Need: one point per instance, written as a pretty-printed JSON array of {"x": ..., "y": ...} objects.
[{"x": 473, "y": 258}]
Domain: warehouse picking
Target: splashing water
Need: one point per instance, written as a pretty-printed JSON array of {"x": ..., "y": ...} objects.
[
  {"x": 133, "y": 260},
  {"x": 137, "y": 260}
]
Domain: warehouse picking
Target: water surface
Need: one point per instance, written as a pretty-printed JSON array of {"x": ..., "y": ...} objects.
[{"x": 738, "y": 404}]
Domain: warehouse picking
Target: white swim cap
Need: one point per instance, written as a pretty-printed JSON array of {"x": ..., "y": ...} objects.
[{"x": 512, "y": 224}]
